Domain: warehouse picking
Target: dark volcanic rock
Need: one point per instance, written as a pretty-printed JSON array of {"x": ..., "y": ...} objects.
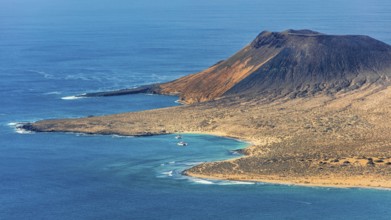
[
  {"x": 311, "y": 62},
  {"x": 295, "y": 63},
  {"x": 153, "y": 89},
  {"x": 28, "y": 127}
]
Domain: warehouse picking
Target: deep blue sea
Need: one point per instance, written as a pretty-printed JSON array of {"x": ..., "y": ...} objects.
[{"x": 51, "y": 50}]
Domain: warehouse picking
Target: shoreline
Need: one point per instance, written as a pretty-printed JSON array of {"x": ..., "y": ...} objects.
[
  {"x": 287, "y": 182},
  {"x": 305, "y": 140},
  {"x": 268, "y": 179},
  {"x": 302, "y": 182}
]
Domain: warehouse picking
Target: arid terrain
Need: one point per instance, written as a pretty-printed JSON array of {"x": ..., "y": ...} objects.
[{"x": 310, "y": 121}]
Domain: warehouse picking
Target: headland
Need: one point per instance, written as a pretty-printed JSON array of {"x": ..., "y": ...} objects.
[{"x": 315, "y": 108}]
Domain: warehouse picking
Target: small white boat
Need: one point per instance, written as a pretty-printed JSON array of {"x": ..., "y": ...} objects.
[
  {"x": 183, "y": 144},
  {"x": 178, "y": 137}
]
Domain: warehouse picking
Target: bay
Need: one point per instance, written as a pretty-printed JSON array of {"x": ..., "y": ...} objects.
[{"x": 54, "y": 50}]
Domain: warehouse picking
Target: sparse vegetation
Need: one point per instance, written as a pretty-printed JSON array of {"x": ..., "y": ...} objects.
[{"x": 335, "y": 131}]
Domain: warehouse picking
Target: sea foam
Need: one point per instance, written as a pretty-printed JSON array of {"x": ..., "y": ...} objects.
[
  {"x": 168, "y": 173},
  {"x": 71, "y": 97},
  {"x": 219, "y": 182},
  {"x": 52, "y": 93},
  {"x": 229, "y": 182},
  {"x": 17, "y": 126},
  {"x": 202, "y": 181}
]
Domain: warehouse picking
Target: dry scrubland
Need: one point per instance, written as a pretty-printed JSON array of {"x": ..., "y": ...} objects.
[
  {"x": 335, "y": 140},
  {"x": 315, "y": 108}
]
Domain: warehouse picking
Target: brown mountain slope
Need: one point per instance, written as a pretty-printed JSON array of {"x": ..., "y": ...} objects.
[
  {"x": 327, "y": 124},
  {"x": 294, "y": 63},
  {"x": 218, "y": 79}
]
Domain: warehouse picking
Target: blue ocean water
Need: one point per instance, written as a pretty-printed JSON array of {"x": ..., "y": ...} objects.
[{"x": 53, "y": 50}]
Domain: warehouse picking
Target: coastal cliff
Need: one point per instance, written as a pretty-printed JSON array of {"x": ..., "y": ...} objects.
[{"x": 315, "y": 107}]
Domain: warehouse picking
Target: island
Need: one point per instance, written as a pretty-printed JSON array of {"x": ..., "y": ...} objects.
[{"x": 315, "y": 108}]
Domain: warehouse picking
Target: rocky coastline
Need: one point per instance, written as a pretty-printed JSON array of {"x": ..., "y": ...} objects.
[{"x": 315, "y": 108}]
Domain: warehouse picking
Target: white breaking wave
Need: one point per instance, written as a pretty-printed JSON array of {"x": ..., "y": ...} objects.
[
  {"x": 219, "y": 182},
  {"x": 71, "y": 97},
  {"x": 17, "y": 126},
  {"x": 233, "y": 152},
  {"x": 228, "y": 182},
  {"x": 22, "y": 131},
  {"x": 179, "y": 102},
  {"x": 201, "y": 181},
  {"x": 52, "y": 93},
  {"x": 169, "y": 173},
  {"x": 44, "y": 74},
  {"x": 192, "y": 163},
  {"x": 121, "y": 136},
  {"x": 13, "y": 124}
]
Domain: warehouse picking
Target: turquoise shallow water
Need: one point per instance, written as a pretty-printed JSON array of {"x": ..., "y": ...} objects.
[{"x": 52, "y": 50}]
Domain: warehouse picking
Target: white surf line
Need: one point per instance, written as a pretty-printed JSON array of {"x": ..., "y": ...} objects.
[
  {"x": 71, "y": 97},
  {"x": 74, "y": 97},
  {"x": 17, "y": 126}
]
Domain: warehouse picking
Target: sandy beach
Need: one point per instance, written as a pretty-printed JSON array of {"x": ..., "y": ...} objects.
[{"x": 324, "y": 141}]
